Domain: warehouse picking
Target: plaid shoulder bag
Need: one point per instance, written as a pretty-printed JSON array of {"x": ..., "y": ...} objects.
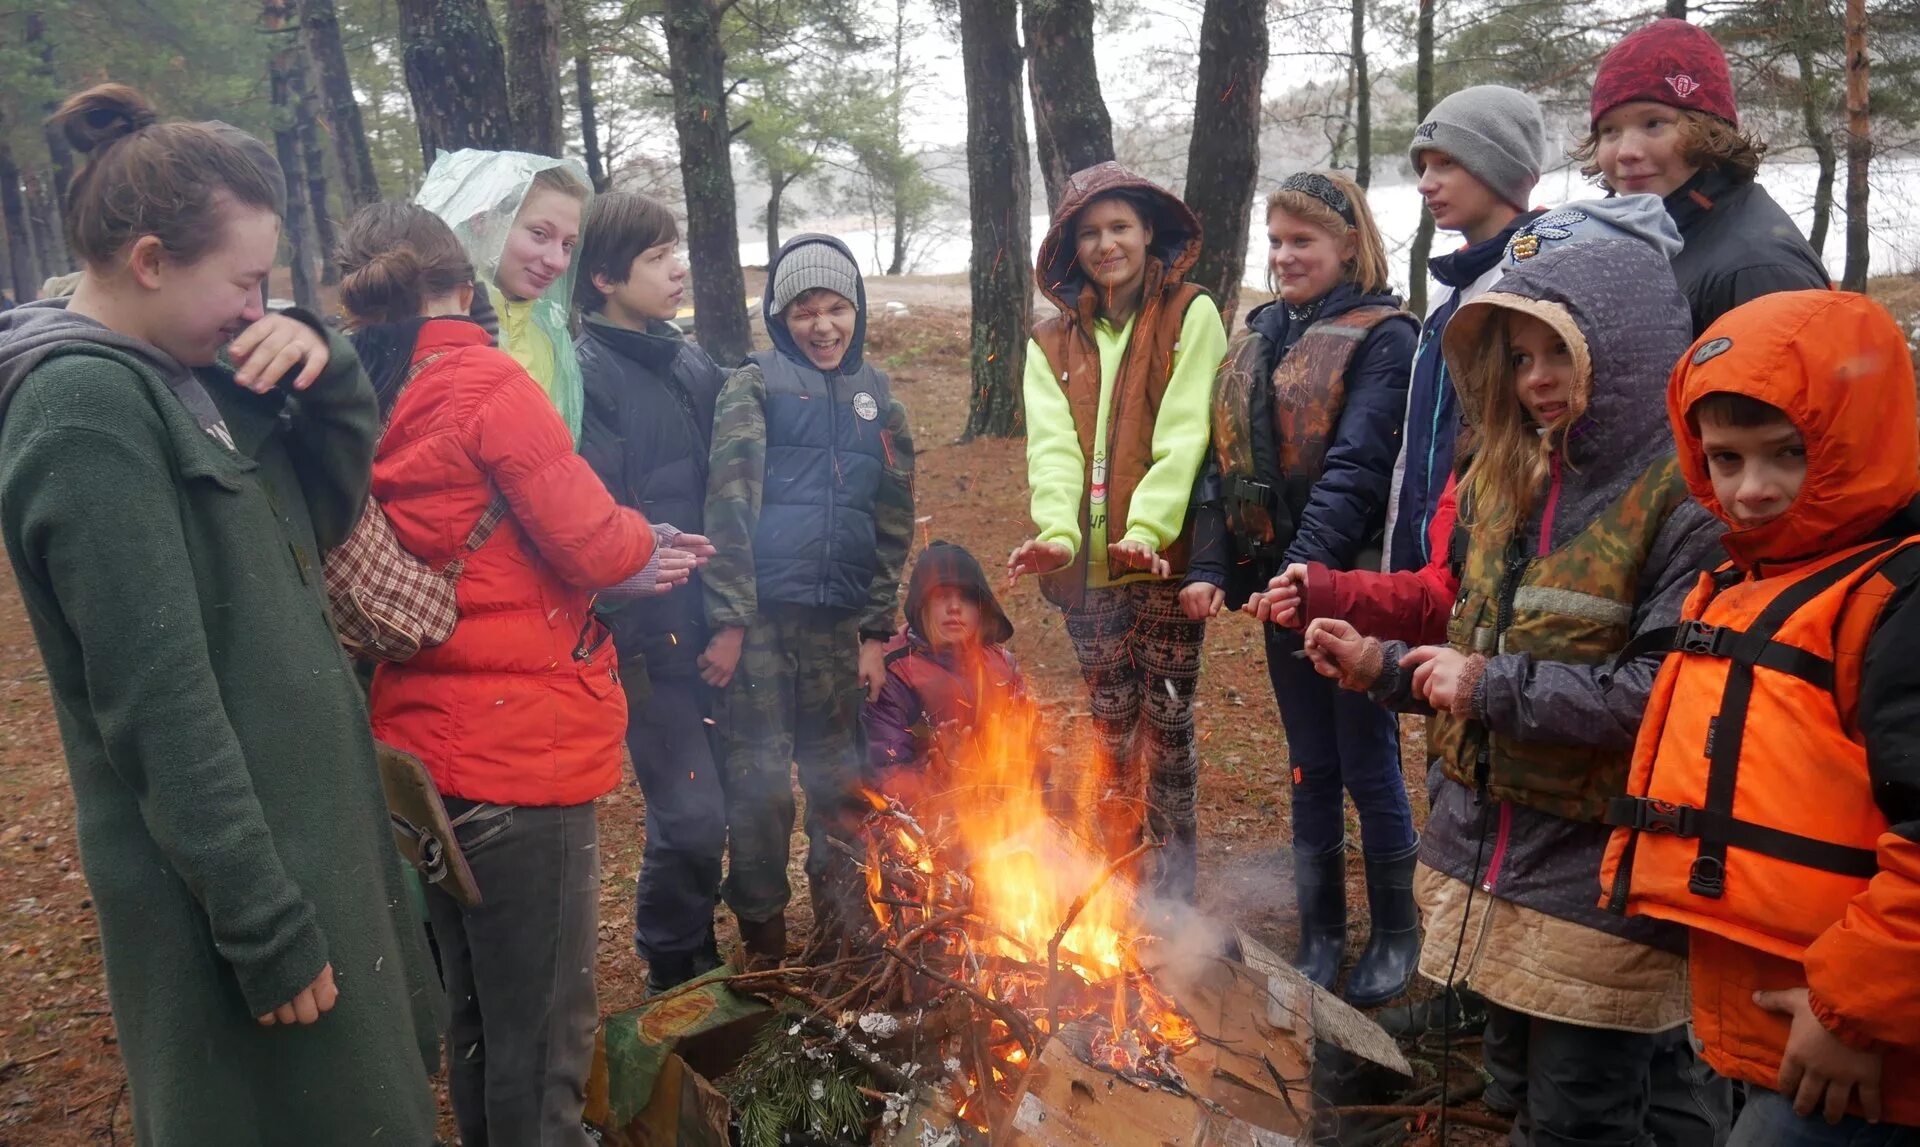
[{"x": 387, "y": 604}]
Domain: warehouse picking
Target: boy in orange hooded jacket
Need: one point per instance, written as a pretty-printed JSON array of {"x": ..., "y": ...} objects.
[{"x": 1774, "y": 803}]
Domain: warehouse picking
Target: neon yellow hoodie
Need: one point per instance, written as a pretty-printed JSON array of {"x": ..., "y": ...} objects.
[{"x": 1056, "y": 467}]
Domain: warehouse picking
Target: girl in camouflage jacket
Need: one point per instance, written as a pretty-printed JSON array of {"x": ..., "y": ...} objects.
[{"x": 1580, "y": 535}]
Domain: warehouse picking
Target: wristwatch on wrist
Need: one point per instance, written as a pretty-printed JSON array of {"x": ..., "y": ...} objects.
[{"x": 880, "y": 635}]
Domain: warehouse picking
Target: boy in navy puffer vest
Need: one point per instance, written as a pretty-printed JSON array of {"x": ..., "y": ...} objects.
[{"x": 810, "y": 509}]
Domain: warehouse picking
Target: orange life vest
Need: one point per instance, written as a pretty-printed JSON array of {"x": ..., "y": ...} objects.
[{"x": 1750, "y": 812}]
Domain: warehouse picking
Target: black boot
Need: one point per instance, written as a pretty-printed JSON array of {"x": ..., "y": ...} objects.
[
  {"x": 765, "y": 941},
  {"x": 1394, "y": 947},
  {"x": 1460, "y": 1012},
  {"x": 1320, "y": 883}
]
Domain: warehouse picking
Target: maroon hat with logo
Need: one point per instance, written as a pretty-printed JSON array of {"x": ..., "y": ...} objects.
[{"x": 1667, "y": 62}]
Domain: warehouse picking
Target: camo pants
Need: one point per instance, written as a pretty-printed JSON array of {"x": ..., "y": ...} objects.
[
  {"x": 1140, "y": 657},
  {"x": 794, "y": 701}
]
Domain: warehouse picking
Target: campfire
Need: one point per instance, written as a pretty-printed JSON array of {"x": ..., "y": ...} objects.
[
  {"x": 1005, "y": 983},
  {"x": 984, "y": 892}
]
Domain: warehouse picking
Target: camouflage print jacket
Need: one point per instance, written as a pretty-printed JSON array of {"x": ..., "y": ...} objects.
[
  {"x": 735, "y": 493},
  {"x": 1616, "y": 305}
]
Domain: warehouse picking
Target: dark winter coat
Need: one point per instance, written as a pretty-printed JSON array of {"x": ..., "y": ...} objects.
[
  {"x": 1432, "y": 426},
  {"x": 1342, "y": 512},
  {"x": 647, "y": 430},
  {"x": 1739, "y": 245},
  {"x": 1634, "y": 325},
  {"x": 232, "y": 827},
  {"x": 815, "y": 542}
]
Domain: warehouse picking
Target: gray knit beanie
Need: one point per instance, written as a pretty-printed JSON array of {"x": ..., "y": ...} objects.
[
  {"x": 810, "y": 266},
  {"x": 1495, "y": 132}
]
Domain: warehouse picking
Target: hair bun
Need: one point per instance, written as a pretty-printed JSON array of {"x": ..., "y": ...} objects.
[{"x": 95, "y": 119}]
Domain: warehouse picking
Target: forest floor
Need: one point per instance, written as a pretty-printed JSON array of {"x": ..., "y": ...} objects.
[{"x": 61, "y": 1079}]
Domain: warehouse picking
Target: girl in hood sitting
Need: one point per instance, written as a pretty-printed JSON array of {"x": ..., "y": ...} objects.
[{"x": 948, "y": 673}]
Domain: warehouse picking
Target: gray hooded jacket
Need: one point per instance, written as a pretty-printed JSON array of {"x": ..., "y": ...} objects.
[{"x": 1623, "y": 299}]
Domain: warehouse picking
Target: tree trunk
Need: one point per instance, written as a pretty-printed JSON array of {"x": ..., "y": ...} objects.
[
  {"x": 999, "y": 189},
  {"x": 533, "y": 76},
  {"x": 776, "y": 188},
  {"x": 283, "y": 63},
  {"x": 900, "y": 223},
  {"x": 589, "y": 122},
  {"x": 1070, "y": 121},
  {"x": 341, "y": 116},
  {"x": 1859, "y": 147},
  {"x": 1363, "y": 100},
  {"x": 697, "y": 63},
  {"x": 57, "y": 149},
  {"x": 45, "y": 220},
  {"x": 1677, "y": 9},
  {"x": 1223, "y": 161},
  {"x": 896, "y": 106},
  {"x": 314, "y": 156},
  {"x": 26, "y": 286},
  {"x": 456, "y": 75},
  {"x": 1423, "y": 103}
]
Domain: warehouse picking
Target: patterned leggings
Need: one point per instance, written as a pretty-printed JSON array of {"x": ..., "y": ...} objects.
[{"x": 1140, "y": 656}]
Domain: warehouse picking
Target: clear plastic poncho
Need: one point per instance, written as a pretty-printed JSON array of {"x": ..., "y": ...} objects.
[{"x": 479, "y": 193}]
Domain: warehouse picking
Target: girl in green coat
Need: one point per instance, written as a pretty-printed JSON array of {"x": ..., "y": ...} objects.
[{"x": 173, "y": 463}]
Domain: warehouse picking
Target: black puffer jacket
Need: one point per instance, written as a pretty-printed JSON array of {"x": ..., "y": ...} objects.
[
  {"x": 1740, "y": 245},
  {"x": 646, "y": 431}
]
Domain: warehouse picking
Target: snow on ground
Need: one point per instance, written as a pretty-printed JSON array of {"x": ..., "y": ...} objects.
[{"x": 1894, "y": 214}]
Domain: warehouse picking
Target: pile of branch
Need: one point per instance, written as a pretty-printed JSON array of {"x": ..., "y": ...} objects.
[{"x": 914, "y": 1000}]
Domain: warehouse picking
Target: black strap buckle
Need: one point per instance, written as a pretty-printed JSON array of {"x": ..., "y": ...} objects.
[
  {"x": 1707, "y": 877},
  {"x": 1243, "y": 489},
  {"x": 1644, "y": 814},
  {"x": 1697, "y": 637}
]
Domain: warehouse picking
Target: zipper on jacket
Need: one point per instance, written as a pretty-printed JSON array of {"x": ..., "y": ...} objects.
[
  {"x": 833, "y": 490},
  {"x": 1500, "y": 839}
]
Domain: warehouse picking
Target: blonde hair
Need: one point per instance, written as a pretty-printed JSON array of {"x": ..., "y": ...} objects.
[
  {"x": 1511, "y": 457},
  {"x": 1368, "y": 268}
]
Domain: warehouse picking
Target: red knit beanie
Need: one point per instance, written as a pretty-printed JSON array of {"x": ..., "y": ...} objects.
[{"x": 1668, "y": 62}]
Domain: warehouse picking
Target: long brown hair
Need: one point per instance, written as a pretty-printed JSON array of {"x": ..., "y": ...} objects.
[
  {"x": 144, "y": 177},
  {"x": 394, "y": 259},
  {"x": 1368, "y": 269},
  {"x": 1511, "y": 456}
]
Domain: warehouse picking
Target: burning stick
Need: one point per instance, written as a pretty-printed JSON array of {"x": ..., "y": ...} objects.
[
  {"x": 1066, "y": 925},
  {"x": 1020, "y": 1026}
]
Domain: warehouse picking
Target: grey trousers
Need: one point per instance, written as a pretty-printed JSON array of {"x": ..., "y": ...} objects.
[
  {"x": 1595, "y": 1087},
  {"x": 519, "y": 974}
]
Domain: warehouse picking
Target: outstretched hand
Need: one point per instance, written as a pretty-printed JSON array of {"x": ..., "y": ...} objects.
[
  {"x": 1037, "y": 557},
  {"x": 1439, "y": 675},
  {"x": 1335, "y": 647},
  {"x": 1131, "y": 556},
  {"x": 1200, "y": 600},
  {"x": 1282, "y": 600}
]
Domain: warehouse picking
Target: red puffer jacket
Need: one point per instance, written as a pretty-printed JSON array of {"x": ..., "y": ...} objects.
[{"x": 522, "y": 705}]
